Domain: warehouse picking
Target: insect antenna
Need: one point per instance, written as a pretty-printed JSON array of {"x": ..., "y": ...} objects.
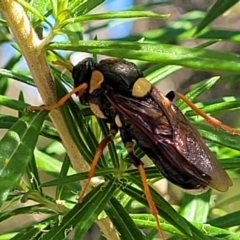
[{"x": 67, "y": 65}]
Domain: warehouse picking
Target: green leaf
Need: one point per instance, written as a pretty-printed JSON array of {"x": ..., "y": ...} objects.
[
  {"x": 7, "y": 236},
  {"x": 7, "y": 121},
  {"x": 165, "y": 210},
  {"x": 81, "y": 8},
  {"x": 16, "y": 150},
  {"x": 230, "y": 163},
  {"x": 196, "y": 58},
  {"x": 41, "y": 6},
  {"x": 34, "y": 230},
  {"x": 33, "y": 176},
  {"x": 147, "y": 221},
  {"x": 75, "y": 177},
  {"x": 122, "y": 221},
  {"x": 111, "y": 147},
  {"x": 9, "y": 65},
  {"x": 158, "y": 72},
  {"x": 4, "y": 83},
  {"x": 13, "y": 104},
  {"x": 217, "y": 105},
  {"x": 48, "y": 163},
  {"x": 213, "y": 233},
  {"x": 229, "y": 35},
  {"x": 229, "y": 220},
  {"x": 54, "y": 7},
  {"x": 197, "y": 91},
  {"x": 47, "y": 131},
  {"x": 148, "y": 4},
  {"x": 215, "y": 11},
  {"x": 114, "y": 15},
  {"x": 24, "y": 210},
  {"x": 84, "y": 214},
  {"x": 17, "y": 76},
  {"x": 177, "y": 30},
  {"x": 31, "y": 9},
  {"x": 195, "y": 208},
  {"x": 220, "y": 137},
  {"x": 63, "y": 173}
]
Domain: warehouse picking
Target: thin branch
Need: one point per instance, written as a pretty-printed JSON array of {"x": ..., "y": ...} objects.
[{"x": 29, "y": 43}]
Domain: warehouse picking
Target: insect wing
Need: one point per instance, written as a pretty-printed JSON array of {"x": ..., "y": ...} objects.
[{"x": 178, "y": 141}]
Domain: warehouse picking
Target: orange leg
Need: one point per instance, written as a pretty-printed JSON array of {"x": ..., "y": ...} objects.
[
  {"x": 79, "y": 90},
  {"x": 150, "y": 201},
  {"x": 96, "y": 158},
  {"x": 213, "y": 121},
  {"x": 138, "y": 163}
]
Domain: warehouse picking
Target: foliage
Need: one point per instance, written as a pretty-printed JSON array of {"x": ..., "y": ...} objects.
[{"x": 21, "y": 162}]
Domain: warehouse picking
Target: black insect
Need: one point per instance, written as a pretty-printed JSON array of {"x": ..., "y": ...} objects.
[{"x": 117, "y": 92}]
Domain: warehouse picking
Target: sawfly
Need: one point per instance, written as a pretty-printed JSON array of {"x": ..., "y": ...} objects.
[{"x": 117, "y": 92}]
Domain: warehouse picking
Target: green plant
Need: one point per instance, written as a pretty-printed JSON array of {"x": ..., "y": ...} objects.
[{"x": 80, "y": 132}]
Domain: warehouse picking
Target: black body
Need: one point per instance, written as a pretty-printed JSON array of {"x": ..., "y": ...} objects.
[{"x": 158, "y": 126}]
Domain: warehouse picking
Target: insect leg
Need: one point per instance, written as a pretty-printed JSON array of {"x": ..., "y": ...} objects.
[
  {"x": 213, "y": 121},
  {"x": 139, "y": 165},
  {"x": 80, "y": 90},
  {"x": 99, "y": 151},
  {"x": 127, "y": 140}
]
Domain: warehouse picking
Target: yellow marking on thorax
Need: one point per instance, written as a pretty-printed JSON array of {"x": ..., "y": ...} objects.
[
  {"x": 95, "y": 81},
  {"x": 141, "y": 87}
]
